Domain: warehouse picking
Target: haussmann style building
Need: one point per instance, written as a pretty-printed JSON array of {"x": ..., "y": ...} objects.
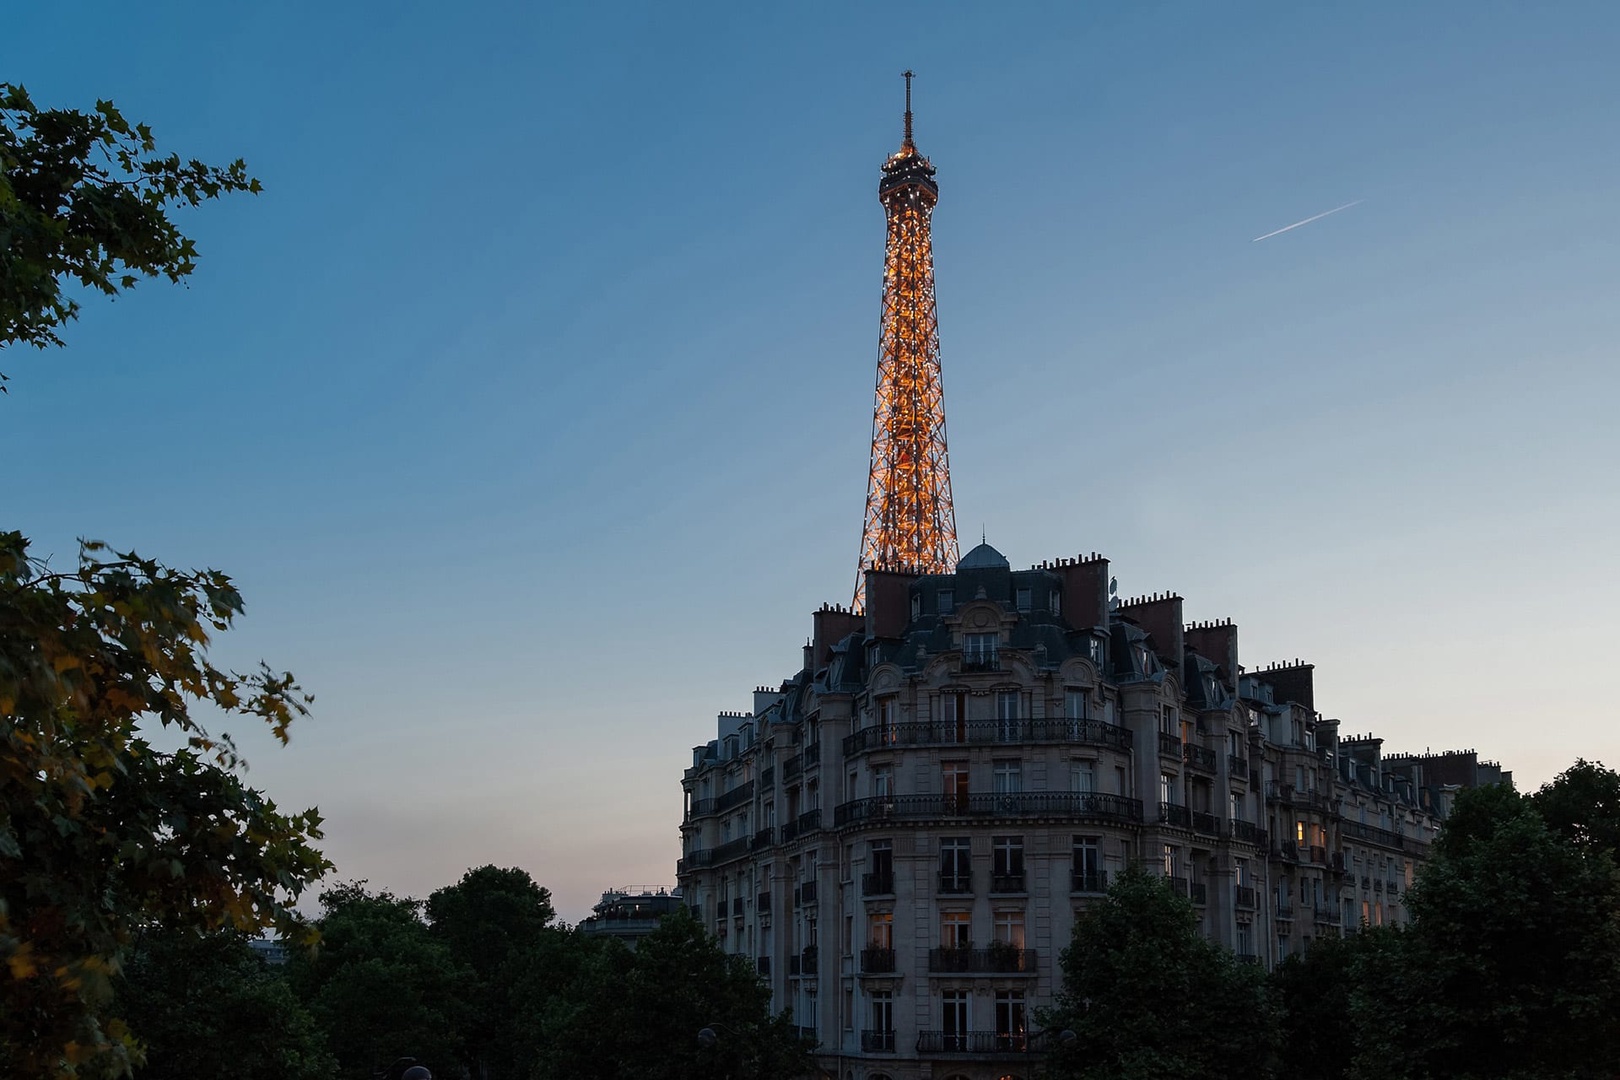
[{"x": 901, "y": 835}]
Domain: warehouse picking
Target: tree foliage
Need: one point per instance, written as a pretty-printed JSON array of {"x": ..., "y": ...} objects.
[
  {"x": 207, "y": 1006},
  {"x": 636, "y": 1015},
  {"x": 494, "y": 921},
  {"x": 382, "y": 987},
  {"x": 85, "y": 199},
  {"x": 100, "y": 832},
  {"x": 1149, "y": 998}
]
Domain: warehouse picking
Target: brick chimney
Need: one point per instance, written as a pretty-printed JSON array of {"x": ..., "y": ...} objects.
[
  {"x": 1216, "y": 641},
  {"x": 1085, "y": 590},
  {"x": 832, "y": 625},
  {"x": 1160, "y": 616},
  {"x": 888, "y": 603},
  {"x": 1292, "y": 682}
]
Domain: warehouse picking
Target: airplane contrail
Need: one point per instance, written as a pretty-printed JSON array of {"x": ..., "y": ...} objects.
[{"x": 1307, "y": 221}]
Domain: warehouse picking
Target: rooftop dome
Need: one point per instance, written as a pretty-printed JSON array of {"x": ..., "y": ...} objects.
[{"x": 984, "y": 557}]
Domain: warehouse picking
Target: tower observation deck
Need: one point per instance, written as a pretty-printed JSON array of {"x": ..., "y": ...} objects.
[{"x": 910, "y": 523}]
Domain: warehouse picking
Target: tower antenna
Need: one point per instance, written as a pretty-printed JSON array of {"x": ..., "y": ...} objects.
[{"x": 908, "y": 143}]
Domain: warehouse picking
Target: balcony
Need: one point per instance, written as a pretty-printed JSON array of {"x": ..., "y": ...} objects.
[
  {"x": 880, "y": 883},
  {"x": 1175, "y": 814},
  {"x": 981, "y": 661},
  {"x": 1206, "y": 823},
  {"x": 1243, "y": 896},
  {"x": 1198, "y": 893},
  {"x": 997, "y": 960},
  {"x": 737, "y": 907},
  {"x": 803, "y": 963},
  {"x": 1007, "y": 883},
  {"x": 1286, "y": 850},
  {"x": 1318, "y": 855},
  {"x": 1169, "y": 745},
  {"x": 1248, "y": 832},
  {"x": 700, "y": 808},
  {"x": 762, "y": 903},
  {"x": 877, "y": 1042},
  {"x": 1198, "y": 757},
  {"x": 876, "y": 961},
  {"x": 735, "y": 797},
  {"x": 1073, "y": 806},
  {"x": 956, "y": 883},
  {"x": 1325, "y": 913},
  {"x": 812, "y": 753},
  {"x": 731, "y": 849},
  {"x": 1179, "y": 885},
  {"x": 1285, "y": 912},
  {"x": 1373, "y": 834},
  {"x": 1088, "y": 881},
  {"x": 991, "y": 733},
  {"x": 792, "y": 767},
  {"x": 807, "y": 822},
  {"x": 974, "y": 1042},
  {"x": 807, "y": 1034},
  {"x": 1238, "y": 766},
  {"x": 767, "y": 777},
  {"x": 804, "y": 894}
]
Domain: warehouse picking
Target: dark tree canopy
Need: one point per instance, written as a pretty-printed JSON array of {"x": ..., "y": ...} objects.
[
  {"x": 206, "y": 1006},
  {"x": 381, "y": 986},
  {"x": 85, "y": 199},
  {"x": 1149, "y": 998}
]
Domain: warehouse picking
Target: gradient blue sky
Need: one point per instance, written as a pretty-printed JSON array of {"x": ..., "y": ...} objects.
[{"x": 530, "y": 403}]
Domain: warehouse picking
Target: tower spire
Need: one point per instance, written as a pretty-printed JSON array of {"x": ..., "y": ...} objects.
[
  {"x": 910, "y": 517},
  {"x": 908, "y": 144}
]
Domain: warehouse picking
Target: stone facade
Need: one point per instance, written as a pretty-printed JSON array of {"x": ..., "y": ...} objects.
[{"x": 901, "y": 835}]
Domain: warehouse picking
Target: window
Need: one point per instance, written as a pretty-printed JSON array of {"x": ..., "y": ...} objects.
[
  {"x": 1122, "y": 782},
  {"x": 954, "y": 785},
  {"x": 1009, "y": 727},
  {"x": 956, "y": 929},
  {"x": 953, "y": 1019},
  {"x": 883, "y": 1012},
  {"x": 1245, "y": 939},
  {"x": 1022, "y": 599},
  {"x": 1097, "y": 652},
  {"x": 953, "y": 715},
  {"x": 980, "y": 648},
  {"x": 1010, "y": 928},
  {"x": 1240, "y": 873},
  {"x": 1237, "y": 806},
  {"x": 1167, "y": 721},
  {"x": 955, "y": 864},
  {"x": 1299, "y": 831},
  {"x": 946, "y": 599},
  {"x": 1010, "y": 1019},
  {"x": 885, "y": 715},
  {"x": 1169, "y": 790},
  {"x": 916, "y": 604},
  {"x": 1169, "y": 860},
  {"x": 1083, "y": 776},
  {"x": 1007, "y": 861},
  {"x": 880, "y": 855},
  {"x": 1074, "y": 704},
  {"x": 882, "y": 780},
  {"x": 880, "y": 930},
  {"x": 1009, "y": 776},
  {"x": 1087, "y": 868},
  {"x": 1055, "y": 601}
]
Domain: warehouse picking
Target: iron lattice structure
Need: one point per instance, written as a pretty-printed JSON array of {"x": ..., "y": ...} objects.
[{"x": 910, "y": 518}]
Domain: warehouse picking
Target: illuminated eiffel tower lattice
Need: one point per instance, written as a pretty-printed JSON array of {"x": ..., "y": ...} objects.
[{"x": 910, "y": 520}]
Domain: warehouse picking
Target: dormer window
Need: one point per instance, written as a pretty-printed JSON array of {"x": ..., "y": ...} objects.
[
  {"x": 980, "y": 649},
  {"x": 1023, "y": 599},
  {"x": 946, "y": 599}
]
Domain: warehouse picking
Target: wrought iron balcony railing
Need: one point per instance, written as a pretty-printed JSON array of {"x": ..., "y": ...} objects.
[
  {"x": 807, "y": 822},
  {"x": 1198, "y": 757},
  {"x": 1169, "y": 745},
  {"x": 876, "y": 961},
  {"x": 975, "y": 1042},
  {"x": 877, "y": 1042},
  {"x": 1000, "y": 960},
  {"x": 991, "y": 733},
  {"x": 1079, "y": 805},
  {"x": 1007, "y": 883},
  {"x": 878, "y": 884},
  {"x": 1088, "y": 881}
]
